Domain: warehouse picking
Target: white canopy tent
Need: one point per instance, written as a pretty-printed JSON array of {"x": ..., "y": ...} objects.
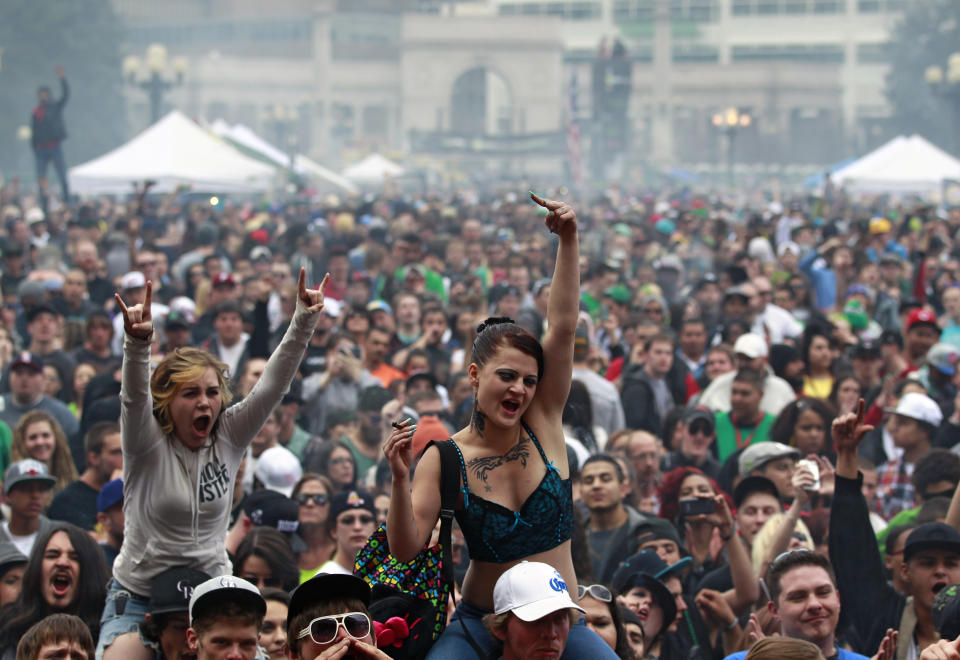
[
  {"x": 173, "y": 152},
  {"x": 372, "y": 170},
  {"x": 244, "y": 137},
  {"x": 903, "y": 165}
]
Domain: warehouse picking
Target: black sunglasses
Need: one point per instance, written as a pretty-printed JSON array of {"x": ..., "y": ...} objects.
[{"x": 317, "y": 498}]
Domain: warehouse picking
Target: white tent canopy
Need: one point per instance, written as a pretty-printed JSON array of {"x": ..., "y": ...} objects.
[
  {"x": 245, "y": 137},
  {"x": 373, "y": 170},
  {"x": 902, "y": 165},
  {"x": 173, "y": 152}
]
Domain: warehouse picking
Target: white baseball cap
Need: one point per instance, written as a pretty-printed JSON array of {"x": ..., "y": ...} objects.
[
  {"x": 235, "y": 589},
  {"x": 752, "y": 345},
  {"x": 133, "y": 280},
  {"x": 532, "y": 590},
  {"x": 278, "y": 469},
  {"x": 919, "y": 407}
]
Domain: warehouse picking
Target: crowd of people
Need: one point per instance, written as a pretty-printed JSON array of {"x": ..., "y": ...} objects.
[{"x": 684, "y": 428}]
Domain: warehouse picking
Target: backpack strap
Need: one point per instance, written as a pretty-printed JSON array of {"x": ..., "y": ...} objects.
[{"x": 449, "y": 486}]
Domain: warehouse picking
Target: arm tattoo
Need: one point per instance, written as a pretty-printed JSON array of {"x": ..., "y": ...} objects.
[{"x": 480, "y": 467}]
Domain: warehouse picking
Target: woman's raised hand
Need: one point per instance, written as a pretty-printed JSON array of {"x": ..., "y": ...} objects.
[
  {"x": 561, "y": 219},
  {"x": 399, "y": 449},
  {"x": 312, "y": 298},
  {"x": 137, "y": 321}
]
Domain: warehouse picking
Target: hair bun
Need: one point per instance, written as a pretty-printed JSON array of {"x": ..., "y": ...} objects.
[{"x": 493, "y": 320}]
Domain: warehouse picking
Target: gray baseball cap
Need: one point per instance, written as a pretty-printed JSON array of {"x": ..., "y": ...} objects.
[{"x": 26, "y": 470}]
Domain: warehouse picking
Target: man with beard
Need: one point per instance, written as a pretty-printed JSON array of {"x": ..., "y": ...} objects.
[
  {"x": 65, "y": 574},
  {"x": 931, "y": 556},
  {"x": 805, "y": 600}
]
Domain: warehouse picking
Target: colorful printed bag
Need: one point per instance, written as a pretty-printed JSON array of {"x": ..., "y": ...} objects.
[{"x": 408, "y": 600}]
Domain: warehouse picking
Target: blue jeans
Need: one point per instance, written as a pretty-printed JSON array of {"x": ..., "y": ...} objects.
[
  {"x": 45, "y": 156},
  {"x": 581, "y": 642},
  {"x": 112, "y": 625}
]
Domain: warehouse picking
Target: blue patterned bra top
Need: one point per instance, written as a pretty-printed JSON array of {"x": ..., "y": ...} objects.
[{"x": 494, "y": 533}]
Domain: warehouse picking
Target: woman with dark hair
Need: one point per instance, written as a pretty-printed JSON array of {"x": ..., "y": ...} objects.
[
  {"x": 578, "y": 420},
  {"x": 264, "y": 558},
  {"x": 805, "y": 424},
  {"x": 335, "y": 461},
  {"x": 604, "y": 618},
  {"x": 847, "y": 391},
  {"x": 312, "y": 493},
  {"x": 817, "y": 352},
  {"x": 273, "y": 631},
  {"x": 516, "y": 498},
  {"x": 66, "y": 573}
]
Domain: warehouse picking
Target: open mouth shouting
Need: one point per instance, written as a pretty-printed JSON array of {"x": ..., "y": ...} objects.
[
  {"x": 510, "y": 407},
  {"x": 202, "y": 424},
  {"x": 938, "y": 586},
  {"x": 61, "y": 583}
]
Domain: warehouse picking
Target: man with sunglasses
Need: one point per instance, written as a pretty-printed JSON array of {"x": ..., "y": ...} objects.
[
  {"x": 698, "y": 433},
  {"x": 352, "y": 520},
  {"x": 225, "y": 617},
  {"x": 328, "y": 618}
]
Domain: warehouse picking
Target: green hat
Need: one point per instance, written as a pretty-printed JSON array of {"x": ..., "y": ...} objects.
[{"x": 619, "y": 293}]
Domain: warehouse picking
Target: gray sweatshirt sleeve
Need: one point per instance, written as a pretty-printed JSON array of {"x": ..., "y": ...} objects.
[
  {"x": 243, "y": 421},
  {"x": 139, "y": 430}
]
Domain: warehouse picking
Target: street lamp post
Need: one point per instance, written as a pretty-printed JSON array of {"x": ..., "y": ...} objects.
[
  {"x": 283, "y": 120},
  {"x": 152, "y": 75},
  {"x": 947, "y": 85},
  {"x": 730, "y": 121}
]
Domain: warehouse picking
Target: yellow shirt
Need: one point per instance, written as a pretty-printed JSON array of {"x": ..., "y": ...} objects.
[{"x": 817, "y": 388}]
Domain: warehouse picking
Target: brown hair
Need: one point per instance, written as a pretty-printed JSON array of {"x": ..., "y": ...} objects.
[
  {"x": 52, "y": 629},
  {"x": 224, "y": 609},
  {"x": 499, "y": 330},
  {"x": 61, "y": 463},
  {"x": 178, "y": 368},
  {"x": 784, "y": 648},
  {"x": 791, "y": 560}
]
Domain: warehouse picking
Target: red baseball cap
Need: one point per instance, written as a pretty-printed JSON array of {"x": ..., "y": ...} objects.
[
  {"x": 921, "y": 316},
  {"x": 223, "y": 278}
]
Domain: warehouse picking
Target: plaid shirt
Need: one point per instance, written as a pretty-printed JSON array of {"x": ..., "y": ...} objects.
[{"x": 895, "y": 493}]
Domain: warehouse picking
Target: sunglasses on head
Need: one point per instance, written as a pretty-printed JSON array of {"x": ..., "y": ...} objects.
[
  {"x": 351, "y": 520},
  {"x": 317, "y": 498},
  {"x": 323, "y": 629},
  {"x": 598, "y": 591}
]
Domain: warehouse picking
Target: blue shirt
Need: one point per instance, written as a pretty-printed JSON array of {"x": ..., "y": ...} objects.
[{"x": 843, "y": 655}]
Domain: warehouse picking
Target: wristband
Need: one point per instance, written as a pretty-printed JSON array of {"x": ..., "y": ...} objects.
[
  {"x": 733, "y": 531},
  {"x": 733, "y": 624}
]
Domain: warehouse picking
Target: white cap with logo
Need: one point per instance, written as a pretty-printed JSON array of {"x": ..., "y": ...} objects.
[
  {"x": 920, "y": 407},
  {"x": 532, "y": 590},
  {"x": 228, "y": 587}
]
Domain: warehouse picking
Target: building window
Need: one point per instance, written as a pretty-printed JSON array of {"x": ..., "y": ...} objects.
[
  {"x": 818, "y": 53},
  {"x": 828, "y": 6},
  {"x": 375, "y": 120},
  {"x": 873, "y": 54},
  {"x": 742, "y": 7}
]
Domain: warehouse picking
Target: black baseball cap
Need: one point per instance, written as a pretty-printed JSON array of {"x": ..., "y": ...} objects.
[
  {"x": 750, "y": 485},
  {"x": 867, "y": 348},
  {"x": 172, "y": 589},
  {"x": 323, "y": 587},
  {"x": 931, "y": 536},
  {"x": 656, "y": 529}
]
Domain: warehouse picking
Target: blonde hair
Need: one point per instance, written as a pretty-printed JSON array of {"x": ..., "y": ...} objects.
[
  {"x": 183, "y": 366},
  {"x": 760, "y": 554},
  {"x": 61, "y": 463},
  {"x": 784, "y": 648}
]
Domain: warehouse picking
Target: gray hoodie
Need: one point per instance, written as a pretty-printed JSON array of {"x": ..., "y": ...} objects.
[{"x": 177, "y": 501}]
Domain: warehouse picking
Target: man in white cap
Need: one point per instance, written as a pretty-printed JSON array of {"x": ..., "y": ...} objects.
[
  {"x": 226, "y": 613},
  {"x": 773, "y": 460},
  {"x": 912, "y": 425},
  {"x": 531, "y": 612},
  {"x": 751, "y": 351}
]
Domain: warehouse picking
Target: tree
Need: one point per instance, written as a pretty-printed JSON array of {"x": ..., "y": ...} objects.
[
  {"x": 84, "y": 37},
  {"x": 926, "y": 36}
]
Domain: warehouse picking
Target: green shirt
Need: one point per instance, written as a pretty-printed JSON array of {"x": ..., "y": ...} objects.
[
  {"x": 727, "y": 434},
  {"x": 6, "y": 440}
]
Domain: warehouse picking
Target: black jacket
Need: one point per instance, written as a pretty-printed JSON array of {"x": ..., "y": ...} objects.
[
  {"x": 869, "y": 604},
  {"x": 46, "y": 121},
  {"x": 639, "y": 405}
]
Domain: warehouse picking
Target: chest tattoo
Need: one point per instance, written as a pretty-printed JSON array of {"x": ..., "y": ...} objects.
[{"x": 481, "y": 467}]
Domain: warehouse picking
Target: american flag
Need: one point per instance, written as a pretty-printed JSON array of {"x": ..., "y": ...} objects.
[{"x": 574, "y": 151}]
